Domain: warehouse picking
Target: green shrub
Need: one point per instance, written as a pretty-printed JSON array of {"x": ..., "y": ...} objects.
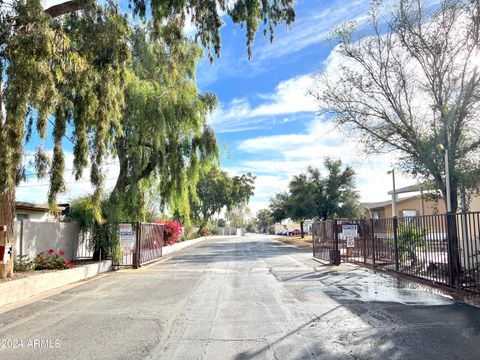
[
  {"x": 52, "y": 261},
  {"x": 411, "y": 239}
]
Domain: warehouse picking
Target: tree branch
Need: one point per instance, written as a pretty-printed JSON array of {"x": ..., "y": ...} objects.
[{"x": 66, "y": 7}]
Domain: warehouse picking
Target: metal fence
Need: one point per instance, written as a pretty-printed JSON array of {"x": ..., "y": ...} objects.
[
  {"x": 127, "y": 244},
  {"x": 440, "y": 248},
  {"x": 150, "y": 243},
  {"x": 84, "y": 248}
]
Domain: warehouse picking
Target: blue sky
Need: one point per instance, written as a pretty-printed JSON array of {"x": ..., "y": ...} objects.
[{"x": 266, "y": 122}]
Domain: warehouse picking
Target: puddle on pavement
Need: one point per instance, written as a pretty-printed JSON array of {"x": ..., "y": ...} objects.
[{"x": 381, "y": 289}]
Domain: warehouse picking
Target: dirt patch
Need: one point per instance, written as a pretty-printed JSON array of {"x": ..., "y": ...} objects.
[
  {"x": 297, "y": 241},
  {"x": 24, "y": 274},
  {"x": 83, "y": 262}
]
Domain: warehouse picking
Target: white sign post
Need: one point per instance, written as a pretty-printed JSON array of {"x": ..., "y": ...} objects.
[
  {"x": 350, "y": 242},
  {"x": 127, "y": 238}
]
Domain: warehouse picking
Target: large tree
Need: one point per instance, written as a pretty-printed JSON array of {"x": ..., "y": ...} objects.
[
  {"x": 72, "y": 70},
  {"x": 216, "y": 190},
  {"x": 165, "y": 139},
  {"x": 69, "y": 62},
  {"x": 263, "y": 220},
  {"x": 300, "y": 205},
  {"x": 313, "y": 196},
  {"x": 410, "y": 85}
]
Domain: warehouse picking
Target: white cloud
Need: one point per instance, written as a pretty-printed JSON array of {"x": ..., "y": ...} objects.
[
  {"x": 275, "y": 159},
  {"x": 36, "y": 190},
  {"x": 49, "y": 3},
  {"x": 313, "y": 27},
  {"x": 289, "y": 97},
  {"x": 314, "y": 20}
]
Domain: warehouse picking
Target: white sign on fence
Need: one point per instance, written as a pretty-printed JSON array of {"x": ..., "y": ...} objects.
[
  {"x": 127, "y": 235},
  {"x": 349, "y": 231},
  {"x": 350, "y": 242}
]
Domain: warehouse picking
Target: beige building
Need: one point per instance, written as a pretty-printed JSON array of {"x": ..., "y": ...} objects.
[
  {"x": 37, "y": 212},
  {"x": 474, "y": 203},
  {"x": 407, "y": 206},
  {"x": 423, "y": 203}
]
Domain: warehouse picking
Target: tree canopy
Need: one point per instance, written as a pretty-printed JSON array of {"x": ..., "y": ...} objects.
[
  {"x": 71, "y": 66},
  {"x": 165, "y": 139},
  {"x": 217, "y": 190},
  {"x": 264, "y": 220},
  {"x": 410, "y": 85},
  {"x": 204, "y": 15},
  {"x": 313, "y": 196}
]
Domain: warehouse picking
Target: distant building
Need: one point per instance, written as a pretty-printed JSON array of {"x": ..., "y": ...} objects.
[
  {"x": 423, "y": 203},
  {"x": 408, "y": 206},
  {"x": 286, "y": 224},
  {"x": 39, "y": 212}
]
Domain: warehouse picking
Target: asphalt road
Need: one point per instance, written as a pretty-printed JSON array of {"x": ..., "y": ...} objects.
[{"x": 243, "y": 298}]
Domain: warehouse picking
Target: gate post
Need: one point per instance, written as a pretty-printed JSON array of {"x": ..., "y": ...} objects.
[
  {"x": 336, "y": 260},
  {"x": 365, "y": 237},
  {"x": 452, "y": 249},
  {"x": 372, "y": 233},
  {"x": 395, "y": 241},
  {"x": 138, "y": 234},
  {"x": 313, "y": 239}
]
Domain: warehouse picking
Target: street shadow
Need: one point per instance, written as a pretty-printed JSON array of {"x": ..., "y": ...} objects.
[{"x": 224, "y": 251}]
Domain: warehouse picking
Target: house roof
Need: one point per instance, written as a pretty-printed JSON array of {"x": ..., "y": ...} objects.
[
  {"x": 413, "y": 188},
  {"x": 24, "y": 205},
  {"x": 381, "y": 204}
]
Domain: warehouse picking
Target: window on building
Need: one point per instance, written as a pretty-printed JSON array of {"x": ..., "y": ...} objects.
[
  {"x": 22, "y": 216},
  {"x": 375, "y": 215},
  {"x": 409, "y": 213}
]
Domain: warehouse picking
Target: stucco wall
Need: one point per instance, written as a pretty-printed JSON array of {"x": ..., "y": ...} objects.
[
  {"x": 475, "y": 203},
  {"x": 430, "y": 207},
  {"x": 35, "y": 215},
  {"x": 32, "y": 237}
]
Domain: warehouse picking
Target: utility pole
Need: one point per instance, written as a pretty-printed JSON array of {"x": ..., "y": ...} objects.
[{"x": 394, "y": 194}]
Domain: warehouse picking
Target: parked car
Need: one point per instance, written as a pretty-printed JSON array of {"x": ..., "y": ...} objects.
[
  {"x": 289, "y": 232},
  {"x": 294, "y": 232}
]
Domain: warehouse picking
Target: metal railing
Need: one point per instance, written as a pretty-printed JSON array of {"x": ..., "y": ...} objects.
[
  {"x": 444, "y": 249},
  {"x": 149, "y": 243},
  {"x": 127, "y": 244}
]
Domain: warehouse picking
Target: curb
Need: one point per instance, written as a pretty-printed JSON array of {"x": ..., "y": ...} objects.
[{"x": 25, "y": 288}]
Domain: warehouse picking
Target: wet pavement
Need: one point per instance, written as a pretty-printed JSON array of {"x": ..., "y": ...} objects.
[{"x": 245, "y": 298}]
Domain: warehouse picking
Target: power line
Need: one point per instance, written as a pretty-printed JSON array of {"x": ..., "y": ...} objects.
[
  {"x": 33, "y": 173},
  {"x": 64, "y": 135},
  {"x": 68, "y": 182}
]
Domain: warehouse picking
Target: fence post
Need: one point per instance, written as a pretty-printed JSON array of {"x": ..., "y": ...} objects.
[
  {"x": 335, "y": 244},
  {"x": 364, "y": 229},
  {"x": 313, "y": 239},
  {"x": 395, "y": 241},
  {"x": 452, "y": 249},
  {"x": 372, "y": 233},
  {"x": 136, "y": 259}
]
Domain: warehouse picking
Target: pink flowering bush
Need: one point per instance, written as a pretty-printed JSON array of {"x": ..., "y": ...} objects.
[
  {"x": 52, "y": 260},
  {"x": 172, "y": 229}
]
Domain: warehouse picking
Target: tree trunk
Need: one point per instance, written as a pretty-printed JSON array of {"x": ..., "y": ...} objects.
[
  {"x": 301, "y": 229},
  {"x": 7, "y": 217}
]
